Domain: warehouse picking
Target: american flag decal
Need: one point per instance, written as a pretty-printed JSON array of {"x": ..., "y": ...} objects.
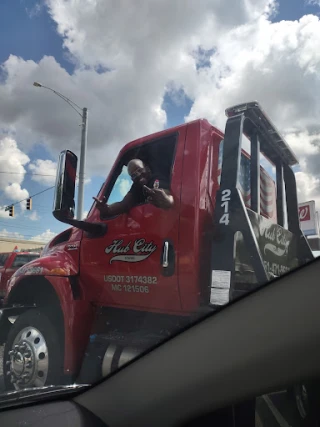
[{"x": 268, "y": 206}]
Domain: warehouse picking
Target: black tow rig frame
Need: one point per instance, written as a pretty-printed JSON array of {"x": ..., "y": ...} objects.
[{"x": 232, "y": 216}]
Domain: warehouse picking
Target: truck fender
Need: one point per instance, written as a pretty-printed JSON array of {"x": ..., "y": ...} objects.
[
  {"x": 65, "y": 296},
  {"x": 60, "y": 264},
  {"x": 78, "y": 317}
]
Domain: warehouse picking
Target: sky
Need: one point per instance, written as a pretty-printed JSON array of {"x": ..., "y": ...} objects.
[{"x": 140, "y": 67}]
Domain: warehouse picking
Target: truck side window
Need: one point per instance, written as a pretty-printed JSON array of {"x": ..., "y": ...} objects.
[
  {"x": 121, "y": 187},
  {"x": 267, "y": 181},
  {"x": 158, "y": 154}
]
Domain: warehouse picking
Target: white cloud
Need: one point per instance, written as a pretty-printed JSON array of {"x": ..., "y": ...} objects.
[
  {"x": 12, "y": 162},
  {"x": 274, "y": 63},
  {"x": 23, "y": 205},
  {"x": 135, "y": 35},
  {"x": 45, "y": 237},
  {"x": 34, "y": 216},
  {"x": 15, "y": 192},
  {"x": 10, "y": 234},
  {"x": 220, "y": 54},
  {"x": 85, "y": 214},
  {"x": 44, "y": 171},
  {"x": 54, "y": 123},
  {"x": 4, "y": 214},
  {"x": 303, "y": 144},
  {"x": 123, "y": 104},
  {"x": 86, "y": 181},
  {"x": 308, "y": 186}
]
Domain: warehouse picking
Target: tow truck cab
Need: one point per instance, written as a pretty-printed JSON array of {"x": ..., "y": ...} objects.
[
  {"x": 232, "y": 228},
  {"x": 247, "y": 225}
]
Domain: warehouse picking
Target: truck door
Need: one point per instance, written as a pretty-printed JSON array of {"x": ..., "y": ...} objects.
[{"x": 134, "y": 264}]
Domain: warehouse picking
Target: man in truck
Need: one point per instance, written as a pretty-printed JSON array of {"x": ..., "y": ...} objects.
[{"x": 146, "y": 187}]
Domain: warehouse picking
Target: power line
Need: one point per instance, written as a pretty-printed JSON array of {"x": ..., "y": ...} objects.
[
  {"x": 20, "y": 226},
  {"x": 26, "y": 173},
  {"x": 30, "y": 197},
  {"x": 21, "y": 218},
  {"x": 37, "y": 207}
]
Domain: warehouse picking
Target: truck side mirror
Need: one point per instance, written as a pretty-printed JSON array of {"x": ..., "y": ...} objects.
[{"x": 63, "y": 205}]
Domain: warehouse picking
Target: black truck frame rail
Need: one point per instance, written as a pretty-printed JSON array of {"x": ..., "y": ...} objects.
[{"x": 231, "y": 214}]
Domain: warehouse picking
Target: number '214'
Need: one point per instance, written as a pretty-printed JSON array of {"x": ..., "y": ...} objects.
[{"x": 225, "y": 199}]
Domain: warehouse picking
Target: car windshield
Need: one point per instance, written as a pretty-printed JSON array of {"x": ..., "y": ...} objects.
[{"x": 201, "y": 120}]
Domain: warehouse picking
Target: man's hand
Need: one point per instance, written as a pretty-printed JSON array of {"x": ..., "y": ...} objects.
[
  {"x": 101, "y": 206},
  {"x": 159, "y": 198}
]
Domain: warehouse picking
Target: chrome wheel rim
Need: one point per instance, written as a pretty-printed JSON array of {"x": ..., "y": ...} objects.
[{"x": 28, "y": 363}]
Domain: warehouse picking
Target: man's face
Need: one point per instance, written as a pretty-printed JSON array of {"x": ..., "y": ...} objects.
[{"x": 139, "y": 174}]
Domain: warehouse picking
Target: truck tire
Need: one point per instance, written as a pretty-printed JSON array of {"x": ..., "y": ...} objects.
[{"x": 33, "y": 353}]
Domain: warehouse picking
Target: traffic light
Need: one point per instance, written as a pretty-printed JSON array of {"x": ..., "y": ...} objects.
[
  {"x": 11, "y": 211},
  {"x": 29, "y": 204}
]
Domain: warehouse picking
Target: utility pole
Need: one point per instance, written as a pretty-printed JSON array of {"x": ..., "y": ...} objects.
[
  {"x": 83, "y": 113},
  {"x": 82, "y": 167}
]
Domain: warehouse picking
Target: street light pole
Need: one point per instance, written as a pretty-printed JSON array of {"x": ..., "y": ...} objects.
[
  {"x": 83, "y": 113},
  {"x": 83, "y": 150}
]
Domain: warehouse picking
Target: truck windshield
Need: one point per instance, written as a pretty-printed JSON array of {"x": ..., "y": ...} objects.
[{"x": 121, "y": 187}]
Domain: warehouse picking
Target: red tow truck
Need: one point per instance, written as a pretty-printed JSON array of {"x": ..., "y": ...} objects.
[
  {"x": 9, "y": 264},
  {"x": 105, "y": 290}
]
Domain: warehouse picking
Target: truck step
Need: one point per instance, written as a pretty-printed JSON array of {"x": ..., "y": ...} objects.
[{"x": 108, "y": 352}]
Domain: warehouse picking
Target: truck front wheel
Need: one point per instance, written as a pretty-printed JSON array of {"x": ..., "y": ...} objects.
[{"x": 33, "y": 353}]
